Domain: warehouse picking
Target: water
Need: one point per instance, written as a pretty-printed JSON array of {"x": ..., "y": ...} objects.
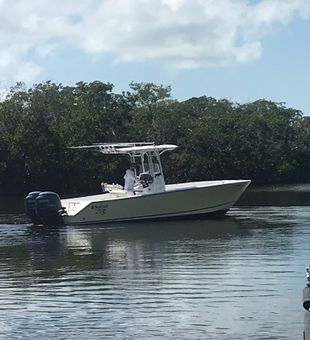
[{"x": 240, "y": 277}]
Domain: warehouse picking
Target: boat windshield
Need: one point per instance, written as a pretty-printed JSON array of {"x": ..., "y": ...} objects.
[
  {"x": 151, "y": 163},
  {"x": 156, "y": 165},
  {"x": 146, "y": 163}
]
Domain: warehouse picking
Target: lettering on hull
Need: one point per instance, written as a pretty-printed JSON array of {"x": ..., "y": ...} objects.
[{"x": 100, "y": 208}]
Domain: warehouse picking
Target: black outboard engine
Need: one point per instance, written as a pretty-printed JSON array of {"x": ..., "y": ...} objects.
[
  {"x": 30, "y": 206},
  {"x": 48, "y": 208}
]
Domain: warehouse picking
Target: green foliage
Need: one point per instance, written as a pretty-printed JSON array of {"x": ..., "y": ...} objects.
[{"x": 264, "y": 141}]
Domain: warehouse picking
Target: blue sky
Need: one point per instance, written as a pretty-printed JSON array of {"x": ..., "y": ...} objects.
[{"x": 241, "y": 50}]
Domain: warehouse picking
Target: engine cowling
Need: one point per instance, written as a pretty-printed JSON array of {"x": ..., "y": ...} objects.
[
  {"x": 48, "y": 208},
  {"x": 30, "y": 207}
]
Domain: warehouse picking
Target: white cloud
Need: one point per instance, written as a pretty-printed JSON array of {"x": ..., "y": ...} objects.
[
  {"x": 192, "y": 33},
  {"x": 25, "y": 71},
  {"x": 179, "y": 33},
  {"x": 13, "y": 68}
]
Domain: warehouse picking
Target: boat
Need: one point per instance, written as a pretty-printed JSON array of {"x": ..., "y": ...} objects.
[{"x": 150, "y": 199}]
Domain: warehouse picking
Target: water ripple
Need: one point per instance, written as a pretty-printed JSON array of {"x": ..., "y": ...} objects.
[{"x": 236, "y": 278}]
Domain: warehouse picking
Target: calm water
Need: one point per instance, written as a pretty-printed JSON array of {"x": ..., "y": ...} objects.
[{"x": 240, "y": 277}]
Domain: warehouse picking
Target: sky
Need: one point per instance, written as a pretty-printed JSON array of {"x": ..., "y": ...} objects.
[{"x": 240, "y": 50}]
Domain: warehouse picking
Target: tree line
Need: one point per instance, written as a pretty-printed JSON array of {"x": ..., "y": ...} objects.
[{"x": 218, "y": 139}]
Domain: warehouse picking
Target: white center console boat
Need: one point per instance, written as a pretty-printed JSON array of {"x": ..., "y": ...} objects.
[{"x": 150, "y": 198}]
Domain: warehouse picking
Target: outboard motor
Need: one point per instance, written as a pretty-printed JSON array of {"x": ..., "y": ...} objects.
[
  {"x": 48, "y": 208},
  {"x": 30, "y": 206}
]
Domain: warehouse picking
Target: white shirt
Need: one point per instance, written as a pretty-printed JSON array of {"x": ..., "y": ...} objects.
[{"x": 130, "y": 180}]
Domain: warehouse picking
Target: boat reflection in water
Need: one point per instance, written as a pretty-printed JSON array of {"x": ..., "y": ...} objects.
[
  {"x": 149, "y": 243},
  {"x": 104, "y": 245}
]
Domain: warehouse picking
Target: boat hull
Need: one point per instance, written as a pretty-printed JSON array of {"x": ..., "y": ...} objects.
[{"x": 178, "y": 201}]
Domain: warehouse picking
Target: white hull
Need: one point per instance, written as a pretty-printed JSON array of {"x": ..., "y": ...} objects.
[{"x": 185, "y": 199}]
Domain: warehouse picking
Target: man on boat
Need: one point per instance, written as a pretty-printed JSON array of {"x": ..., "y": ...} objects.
[{"x": 130, "y": 178}]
